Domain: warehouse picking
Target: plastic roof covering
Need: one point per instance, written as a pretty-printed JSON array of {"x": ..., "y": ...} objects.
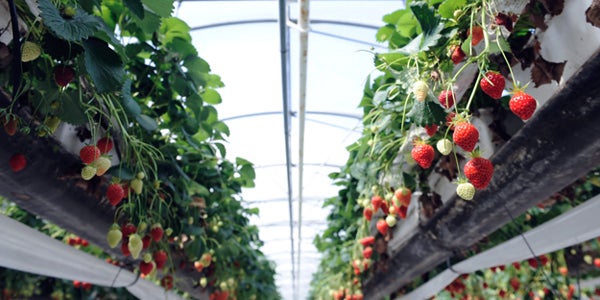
[{"x": 247, "y": 57}]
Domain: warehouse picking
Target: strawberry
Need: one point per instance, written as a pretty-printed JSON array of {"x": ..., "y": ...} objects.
[
  {"x": 146, "y": 240},
  {"x": 522, "y": 105},
  {"x": 391, "y": 220},
  {"x": 17, "y": 162},
  {"x": 76, "y": 284},
  {"x": 367, "y": 252},
  {"x": 563, "y": 271},
  {"x": 402, "y": 211},
  {"x": 128, "y": 229},
  {"x": 423, "y": 154},
  {"x": 63, "y": 75},
  {"x": 492, "y": 84},
  {"x": 476, "y": 33},
  {"x": 125, "y": 247},
  {"x": 105, "y": 145},
  {"x": 544, "y": 259},
  {"x": 504, "y": 20},
  {"x": 444, "y": 146},
  {"x": 89, "y": 154},
  {"x": 146, "y": 267},
  {"x": 86, "y": 286},
  {"x": 597, "y": 262},
  {"x": 376, "y": 201},
  {"x": 385, "y": 208},
  {"x": 30, "y": 51},
  {"x": 382, "y": 226},
  {"x": 532, "y": 263},
  {"x": 156, "y": 232},
  {"x": 88, "y": 172},
  {"x": 457, "y": 55},
  {"x": 115, "y": 193},
  {"x": 160, "y": 257},
  {"x": 446, "y": 98},
  {"x": 203, "y": 282},
  {"x": 114, "y": 236},
  {"x": 199, "y": 266},
  {"x": 136, "y": 185},
  {"x": 368, "y": 213},
  {"x": 420, "y": 89},
  {"x": 367, "y": 241},
  {"x": 479, "y": 171},
  {"x": 465, "y": 190},
  {"x": 84, "y": 243},
  {"x": 517, "y": 265},
  {"x": 11, "y": 125},
  {"x": 403, "y": 195},
  {"x": 135, "y": 245},
  {"x": 167, "y": 282},
  {"x": 449, "y": 120},
  {"x": 465, "y": 136},
  {"x": 431, "y": 129},
  {"x": 102, "y": 165}
]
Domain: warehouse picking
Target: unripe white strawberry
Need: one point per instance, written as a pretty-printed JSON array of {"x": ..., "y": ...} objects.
[
  {"x": 114, "y": 236},
  {"x": 88, "y": 172},
  {"x": 135, "y": 245},
  {"x": 391, "y": 220},
  {"x": 203, "y": 282},
  {"x": 136, "y": 185},
  {"x": 147, "y": 257},
  {"x": 465, "y": 190},
  {"x": 420, "y": 89},
  {"x": 102, "y": 165},
  {"x": 140, "y": 175},
  {"x": 30, "y": 51},
  {"x": 444, "y": 146}
]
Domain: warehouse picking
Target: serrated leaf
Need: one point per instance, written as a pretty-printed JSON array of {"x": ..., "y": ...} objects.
[
  {"x": 426, "y": 113},
  {"x": 425, "y": 16},
  {"x": 385, "y": 33},
  {"x": 150, "y": 23},
  {"x": 147, "y": 122},
  {"x": 104, "y": 65},
  {"x": 129, "y": 104},
  {"x": 81, "y": 26},
  {"x": 136, "y": 7},
  {"x": 163, "y": 8},
  {"x": 499, "y": 45},
  {"x": 393, "y": 17},
  {"x": 71, "y": 109},
  {"x": 172, "y": 28},
  {"x": 211, "y": 96},
  {"x": 447, "y": 8}
]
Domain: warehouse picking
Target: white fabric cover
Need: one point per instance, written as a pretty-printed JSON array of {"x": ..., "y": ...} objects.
[
  {"x": 573, "y": 227},
  {"x": 25, "y": 249}
]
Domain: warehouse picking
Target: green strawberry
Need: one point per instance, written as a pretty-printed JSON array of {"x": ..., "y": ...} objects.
[
  {"x": 391, "y": 220},
  {"x": 88, "y": 172},
  {"x": 136, "y": 185},
  {"x": 30, "y": 51},
  {"x": 465, "y": 190},
  {"x": 102, "y": 164},
  {"x": 135, "y": 245},
  {"x": 114, "y": 236},
  {"x": 203, "y": 282}
]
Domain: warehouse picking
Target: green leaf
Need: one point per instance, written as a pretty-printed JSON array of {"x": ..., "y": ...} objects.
[
  {"x": 211, "y": 96},
  {"x": 129, "y": 104},
  {"x": 121, "y": 171},
  {"x": 172, "y": 28},
  {"x": 80, "y": 27},
  {"x": 71, "y": 109},
  {"x": 385, "y": 33},
  {"x": 241, "y": 161},
  {"x": 221, "y": 127},
  {"x": 503, "y": 47},
  {"x": 431, "y": 27},
  {"x": 426, "y": 113},
  {"x": 447, "y": 8},
  {"x": 222, "y": 149},
  {"x": 191, "y": 125},
  {"x": 392, "y": 18},
  {"x": 104, "y": 65},
  {"x": 407, "y": 24},
  {"x": 163, "y": 8},
  {"x": 183, "y": 47},
  {"x": 150, "y": 23},
  {"x": 88, "y": 5},
  {"x": 147, "y": 122},
  {"x": 136, "y": 7}
]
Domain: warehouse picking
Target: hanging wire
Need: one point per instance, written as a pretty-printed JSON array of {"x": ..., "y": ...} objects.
[{"x": 546, "y": 277}]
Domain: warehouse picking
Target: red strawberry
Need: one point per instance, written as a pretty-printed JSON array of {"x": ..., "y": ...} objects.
[
  {"x": 431, "y": 129},
  {"x": 492, "y": 84},
  {"x": 423, "y": 154},
  {"x": 86, "y": 286},
  {"x": 368, "y": 213},
  {"x": 457, "y": 55},
  {"x": 376, "y": 201},
  {"x": 502, "y": 293},
  {"x": 160, "y": 258},
  {"x": 125, "y": 247},
  {"x": 479, "y": 171},
  {"x": 382, "y": 226},
  {"x": 63, "y": 75},
  {"x": 533, "y": 262},
  {"x": 84, "y": 243},
  {"x": 449, "y": 119},
  {"x": 17, "y": 162},
  {"x": 167, "y": 282},
  {"x": 544, "y": 259},
  {"x": 517, "y": 265},
  {"x": 146, "y": 267},
  {"x": 403, "y": 195},
  {"x": 105, "y": 145},
  {"x": 597, "y": 262},
  {"x": 89, "y": 154},
  {"x": 128, "y": 229},
  {"x": 71, "y": 241},
  {"x": 11, "y": 126},
  {"x": 522, "y": 105},
  {"x": 446, "y": 98},
  {"x": 368, "y": 252},
  {"x": 146, "y": 240},
  {"x": 115, "y": 193},
  {"x": 402, "y": 211},
  {"x": 384, "y": 207},
  {"x": 476, "y": 34},
  {"x": 504, "y": 20},
  {"x": 515, "y": 283},
  {"x": 76, "y": 284},
  {"x": 465, "y": 136},
  {"x": 156, "y": 232},
  {"x": 368, "y": 241}
]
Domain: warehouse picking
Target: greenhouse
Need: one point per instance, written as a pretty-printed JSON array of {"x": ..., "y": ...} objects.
[{"x": 324, "y": 149}]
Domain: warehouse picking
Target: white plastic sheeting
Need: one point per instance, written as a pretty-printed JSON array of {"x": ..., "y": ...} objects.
[
  {"x": 573, "y": 227},
  {"x": 25, "y": 249}
]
